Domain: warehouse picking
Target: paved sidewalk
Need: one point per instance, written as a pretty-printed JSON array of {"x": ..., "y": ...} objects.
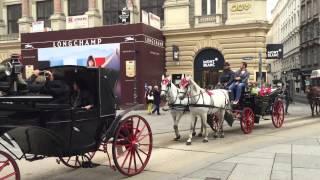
[{"x": 296, "y": 160}]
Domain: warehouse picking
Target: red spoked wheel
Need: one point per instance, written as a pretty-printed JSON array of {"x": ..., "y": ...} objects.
[
  {"x": 247, "y": 120},
  {"x": 277, "y": 114},
  {"x": 77, "y": 161},
  {"x": 132, "y": 145},
  {"x": 8, "y": 167}
]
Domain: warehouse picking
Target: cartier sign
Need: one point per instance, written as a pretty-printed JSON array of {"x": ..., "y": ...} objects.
[
  {"x": 240, "y": 7},
  {"x": 77, "y": 42}
]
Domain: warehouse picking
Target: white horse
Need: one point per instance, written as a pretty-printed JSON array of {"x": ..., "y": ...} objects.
[
  {"x": 203, "y": 102},
  {"x": 178, "y": 107}
]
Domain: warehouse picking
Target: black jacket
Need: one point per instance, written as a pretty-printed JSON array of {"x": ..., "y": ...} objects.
[
  {"x": 157, "y": 98},
  {"x": 227, "y": 77},
  {"x": 81, "y": 99}
]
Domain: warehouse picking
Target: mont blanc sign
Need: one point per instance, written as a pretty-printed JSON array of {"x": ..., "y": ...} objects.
[{"x": 274, "y": 51}]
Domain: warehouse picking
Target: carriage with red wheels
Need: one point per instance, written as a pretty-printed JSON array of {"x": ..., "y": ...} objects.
[
  {"x": 252, "y": 108},
  {"x": 33, "y": 126}
]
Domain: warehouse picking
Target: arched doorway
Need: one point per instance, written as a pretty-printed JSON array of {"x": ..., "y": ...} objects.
[{"x": 208, "y": 65}]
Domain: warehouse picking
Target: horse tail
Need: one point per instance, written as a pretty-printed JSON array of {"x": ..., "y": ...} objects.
[{"x": 227, "y": 100}]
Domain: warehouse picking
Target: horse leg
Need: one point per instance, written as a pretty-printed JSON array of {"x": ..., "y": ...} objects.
[
  {"x": 176, "y": 119},
  {"x": 214, "y": 124},
  {"x": 201, "y": 127},
  {"x": 194, "y": 126},
  {"x": 221, "y": 120},
  {"x": 204, "y": 117},
  {"x": 189, "y": 141}
]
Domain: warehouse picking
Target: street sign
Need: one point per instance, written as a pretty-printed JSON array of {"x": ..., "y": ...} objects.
[
  {"x": 274, "y": 51},
  {"x": 247, "y": 58},
  {"x": 124, "y": 15}
]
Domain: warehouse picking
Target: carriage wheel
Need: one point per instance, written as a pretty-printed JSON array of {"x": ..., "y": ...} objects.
[
  {"x": 247, "y": 120},
  {"x": 8, "y": 167},
  {"x": 77, "y": 161},
  {"x": 277, "y": 114},
  {"x": 132, "y": 145}
]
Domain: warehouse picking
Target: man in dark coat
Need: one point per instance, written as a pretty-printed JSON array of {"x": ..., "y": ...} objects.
[
  {"x": 54, "y": 86},
  {"x": 157, "y": 100},
  {"x": 226, "y": 77}
]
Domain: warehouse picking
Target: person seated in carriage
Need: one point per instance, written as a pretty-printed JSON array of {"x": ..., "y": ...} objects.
[
  {"x": 240, "y": 83},
  {"x": 227, "y": 77},
  {"x": 53, "y": 85},
  {"x": 81, "y": 97}
]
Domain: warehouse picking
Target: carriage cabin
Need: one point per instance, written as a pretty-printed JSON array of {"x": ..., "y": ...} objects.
[{"x": 315, "y": 78}]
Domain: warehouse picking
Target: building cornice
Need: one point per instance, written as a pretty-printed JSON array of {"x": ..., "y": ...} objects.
[{"x": 223, "y": 28}]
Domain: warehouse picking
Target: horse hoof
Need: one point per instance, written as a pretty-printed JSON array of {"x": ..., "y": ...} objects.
[
  {"x": 205, "y": 141},
  {"x": 221, "y": 136},
  {"x": 188, "y": 143},
  {"x": 194, "y": 134},
  {"x": 215, "y": 136},
  {"x": 200, "y": 135},
  {"x": 177, "y": 138}
]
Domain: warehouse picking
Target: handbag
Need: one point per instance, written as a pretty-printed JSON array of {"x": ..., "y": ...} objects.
[{"x": 150, "y": 97}]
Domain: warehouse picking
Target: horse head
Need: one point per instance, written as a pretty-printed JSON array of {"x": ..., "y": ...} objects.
[
  {"x": 184, "y": 87},
  {"x": 165, "y": 85}
]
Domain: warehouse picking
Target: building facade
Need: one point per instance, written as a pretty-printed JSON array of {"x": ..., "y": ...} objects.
[
  {"x": 286, "y": 30},
  {"x": 309, "y": 34},
  {"x": 209, "y": 32},
  {"x": 17, "y": 16}
]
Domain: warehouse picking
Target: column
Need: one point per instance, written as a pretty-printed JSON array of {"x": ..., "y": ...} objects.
[
  {"x": 25, "y": 22},
  {"x": 93, "y": 14},
  {"x": 58, "y": 19},
  {"x": 2, "y": 25}
]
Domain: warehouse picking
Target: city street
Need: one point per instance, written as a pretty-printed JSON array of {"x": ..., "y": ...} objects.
[{"x": 291, "y": 152}]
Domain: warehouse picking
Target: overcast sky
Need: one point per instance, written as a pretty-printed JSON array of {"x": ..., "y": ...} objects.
[{"x": 270, "y": 6}]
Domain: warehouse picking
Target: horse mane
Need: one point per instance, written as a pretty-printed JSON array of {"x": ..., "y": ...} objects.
[{"x": 196, "y": 85}]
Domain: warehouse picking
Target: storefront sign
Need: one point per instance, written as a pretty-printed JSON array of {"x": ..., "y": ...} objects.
[
  {"x": 274, "y": 51},
  {"x": 124, "y": 16},
  {"x": 76, "y": 22},
  {"x": 153, "y": 41},
  {"x": 38, "y": 26},
  {"x": 209, "y": 63},
  {"x": 131, "y": 68},
  {"x": 77, "y": 42},
  {"x": 154, "y": 20},
  {"x": 240, "y": 7}
]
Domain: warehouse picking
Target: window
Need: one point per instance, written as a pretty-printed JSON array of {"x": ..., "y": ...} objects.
[
  {"x": 213, "y": 6},
  {"x": 153, "y": 6},
  {"x": 13, "y": 15},
  {"x": 44, "y": 11},
  {"x": 204, "y": 7},
  {"x": 111, "y": 10},
  {"x": 77, "y": 7},
  {"x": 309, "y": 9},
  {"x": 315, "y": 7},
  {"x": 205, "y": 4}
]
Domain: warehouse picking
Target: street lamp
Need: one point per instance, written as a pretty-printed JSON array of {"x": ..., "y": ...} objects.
[{"x": 135, "y": 94}]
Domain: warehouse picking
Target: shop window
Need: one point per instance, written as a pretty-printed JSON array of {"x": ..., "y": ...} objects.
[
  {"x": 44, "y": 11},
  {"x": 153, "y": 6},
  {"x": 77, "y": 7},
  {"x": 111, "y": 10},
  {"x": 13, "y": 15}
]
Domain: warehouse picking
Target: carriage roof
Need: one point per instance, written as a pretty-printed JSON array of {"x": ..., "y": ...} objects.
[{"x": 315, "y": 74}]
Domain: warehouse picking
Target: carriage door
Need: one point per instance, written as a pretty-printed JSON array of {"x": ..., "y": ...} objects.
[{"x": 208, "y": 65}]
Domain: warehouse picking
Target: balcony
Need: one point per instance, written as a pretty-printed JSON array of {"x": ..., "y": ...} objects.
[
  {"x": 208, "y": 20},
  {"x": 9, "y": 37}
]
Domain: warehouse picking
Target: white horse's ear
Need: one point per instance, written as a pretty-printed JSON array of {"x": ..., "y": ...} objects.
[
  {"x": 162, "y": 77},
  {"x": 169, "y": 77},
  {"x": 182, "y": 76}
]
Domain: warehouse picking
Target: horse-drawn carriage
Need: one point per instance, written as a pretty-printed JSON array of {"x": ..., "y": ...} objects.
[
  {"x": 313, "y": 92},
  {"x": 33, "y": 127},
  {"x": 214, "y": 106}
]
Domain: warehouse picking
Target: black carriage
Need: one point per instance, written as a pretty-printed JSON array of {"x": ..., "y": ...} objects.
[
  {"x": 252, "y": 108},
  {"x": 34, "y": 126}
]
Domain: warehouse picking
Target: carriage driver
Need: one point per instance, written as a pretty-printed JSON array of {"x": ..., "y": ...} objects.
[
  {"x": 240, "y": 82},
  {"x": 227, "y": 76}
]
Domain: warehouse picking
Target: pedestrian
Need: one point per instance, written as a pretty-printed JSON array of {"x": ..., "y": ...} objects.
[
  {"x": 149, "y": 99},
  {"x": 156, "y": 95},
  {"x": 288, "y": 97}
]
